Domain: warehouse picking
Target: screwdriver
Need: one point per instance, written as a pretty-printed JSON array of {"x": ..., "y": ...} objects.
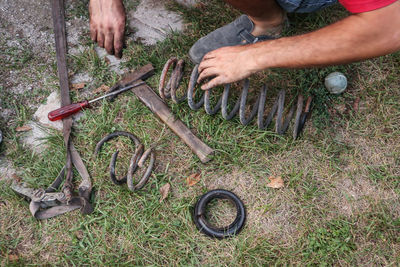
[{"x": 73, "y": 108}]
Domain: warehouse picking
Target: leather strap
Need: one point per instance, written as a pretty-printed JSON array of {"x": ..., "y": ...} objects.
[
  {"x": 73, "y": 157},
  {"x": 34, "y": 208}
]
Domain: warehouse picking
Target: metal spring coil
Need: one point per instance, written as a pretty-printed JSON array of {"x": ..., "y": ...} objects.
[
  {"x": 281, "y": 123},
  {"x": 137, "y": 161}
]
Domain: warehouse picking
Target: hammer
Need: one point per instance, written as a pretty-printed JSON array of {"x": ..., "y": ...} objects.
[{"x": 148, "y": 97}]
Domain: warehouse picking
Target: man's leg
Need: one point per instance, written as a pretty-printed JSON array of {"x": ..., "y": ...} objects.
[
  {"x": 264, "y": 20},
  {"x": 266, "y": 15}
]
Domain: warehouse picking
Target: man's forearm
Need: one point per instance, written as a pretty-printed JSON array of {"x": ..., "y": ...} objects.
[
  {"x": 357, "y": 37},
  {"x": 354, "y": 38}
]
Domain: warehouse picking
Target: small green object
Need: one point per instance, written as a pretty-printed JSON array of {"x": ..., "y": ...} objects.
[{"x": 336, "y": 82}]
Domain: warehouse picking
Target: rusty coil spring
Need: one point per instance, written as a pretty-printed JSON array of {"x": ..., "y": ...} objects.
[
  {"x": 137, "y": 161},
  {"x": 169, "y": 90}
]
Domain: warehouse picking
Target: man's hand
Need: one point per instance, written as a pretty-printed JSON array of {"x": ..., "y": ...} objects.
[
  {"x": 225, "y": 65},
  {"x": 107, "y": 24}
]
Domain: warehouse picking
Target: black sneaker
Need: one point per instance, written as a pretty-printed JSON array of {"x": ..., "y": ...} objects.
[{"x": 237, "y": 32}]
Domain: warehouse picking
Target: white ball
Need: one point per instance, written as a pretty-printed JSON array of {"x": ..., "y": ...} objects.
[{"x": 336, "y": 82}]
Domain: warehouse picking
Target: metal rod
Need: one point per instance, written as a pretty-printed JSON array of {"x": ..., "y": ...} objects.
[{"x": 117, "y": 92}]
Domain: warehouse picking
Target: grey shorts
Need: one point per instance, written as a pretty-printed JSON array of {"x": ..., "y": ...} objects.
[{"x": 304, "y": 6}]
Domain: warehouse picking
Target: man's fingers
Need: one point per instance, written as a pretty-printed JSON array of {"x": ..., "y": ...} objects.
[
  {"x": 118, "y": 43},
  {"x": 109, "y": 43},
  {"x": 93, "y": 33},
  {"x": 204, "y": 64},
  {"x": 100, "y": 39},
  {"x": 209, "y": 55},
  {"x": 212, "y": 83},
  {"x": 207, "y": 73}
]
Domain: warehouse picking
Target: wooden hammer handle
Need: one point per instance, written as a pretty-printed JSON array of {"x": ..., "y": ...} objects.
[{"x": 158, "y": 107}]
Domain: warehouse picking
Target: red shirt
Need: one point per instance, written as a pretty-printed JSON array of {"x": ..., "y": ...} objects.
[{"x": 358, "y": 6}]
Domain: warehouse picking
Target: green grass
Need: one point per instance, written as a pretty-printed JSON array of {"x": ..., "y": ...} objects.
[
  {"x": 339, "y": 206},
  {"x": 328, "y": 244}
]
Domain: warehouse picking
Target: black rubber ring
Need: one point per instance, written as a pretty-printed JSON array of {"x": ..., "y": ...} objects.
[{"x": 206, "y": 228}]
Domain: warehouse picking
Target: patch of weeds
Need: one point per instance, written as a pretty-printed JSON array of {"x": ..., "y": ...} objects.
[
  {"x": 78, "y": 9},
  {"x": 175, "y": 45},
  {"x": 330, "y": 243},
  {"x": 11, "y": 243},
  {"x": 14, "y": 57},
  {"x": 36, "y": 169},
  {"x": 203, "y": 19},
  {"x": 6, "y": 98},
  {"x": 337, "y": 152},
  {"x": 382, "y": 224},
  {"x": 256, "y": 251},
  {"x": 295, "y": 177},
  {"x": 382, "y": 176},
  {"x": 220, "y": 212},
  {"x": 310, "y": 190},
  {"x": 306, "y": 22},
  {"x": 379, "y": 230},
  {"x": 131, "y": 5},
  {"x": 23, "y": 114},
  {"x": 89, "y": 61},
  {"x": 306, "y": 187}
]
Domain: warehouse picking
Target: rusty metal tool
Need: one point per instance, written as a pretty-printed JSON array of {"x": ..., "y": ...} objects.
[{"x": 137, "y": 161}]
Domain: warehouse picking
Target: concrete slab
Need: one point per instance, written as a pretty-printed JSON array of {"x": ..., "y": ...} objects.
[
  {"x": 35, "y": 138},
  {"x": 53, "y": 102},
  {"x": 7, "y": 171},
  {"x": 81, "y": 77},
  {"x": 114, "y": 63},
  {"x": 153, "y": 21}
]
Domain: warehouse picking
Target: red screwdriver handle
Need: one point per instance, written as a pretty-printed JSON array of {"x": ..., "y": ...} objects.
[{"x": 67, "y": 110}]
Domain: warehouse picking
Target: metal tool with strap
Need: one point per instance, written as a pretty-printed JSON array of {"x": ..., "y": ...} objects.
[{"x": 46, "y": 203}]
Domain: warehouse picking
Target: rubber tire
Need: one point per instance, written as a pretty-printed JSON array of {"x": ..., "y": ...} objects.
[{"x": 205, "y": 227}]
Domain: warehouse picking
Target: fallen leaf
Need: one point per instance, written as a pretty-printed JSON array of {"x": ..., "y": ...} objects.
[
  {"x": 276, "y": 182},
  {"x": 16, "y": 178},
  {"x": 24, "y": 128},
  {"x": 200, "y": 5},
  {"x": 77, "y": 86},
  {"x": 164, "y": 190},
  {"x": 79, "y": 234},
  {"x": 387, "y": 130},
  {"x": 71, "y": 73},
  {"x": 13, "y": 257},
  {"x": 193, "y": 179},
  {"x": 102, "y": 89},
  {"x": 107, "y": 60},
  {"x": 341, "y": 108}
]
